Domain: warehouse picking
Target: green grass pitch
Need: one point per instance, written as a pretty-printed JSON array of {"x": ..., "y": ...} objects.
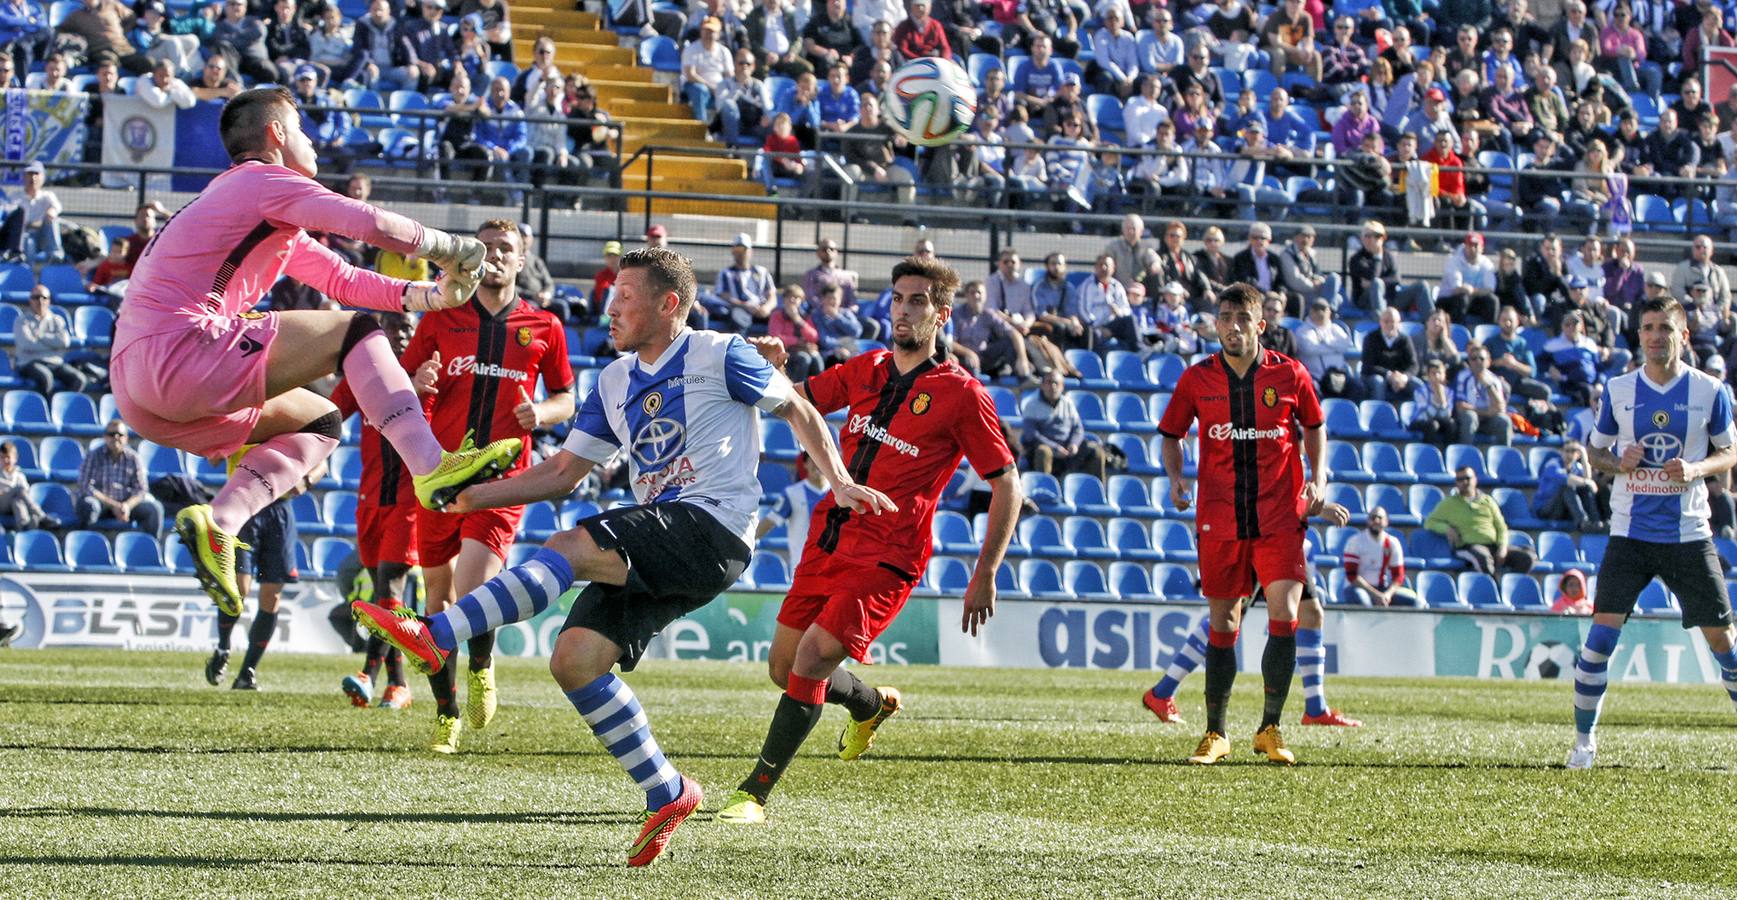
[{"x": 123, "y": 775}]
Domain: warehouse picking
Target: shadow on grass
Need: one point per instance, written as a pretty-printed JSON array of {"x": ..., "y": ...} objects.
[
  {"x": 200, "y": 862},
  {"x": 613, "y": 817}
]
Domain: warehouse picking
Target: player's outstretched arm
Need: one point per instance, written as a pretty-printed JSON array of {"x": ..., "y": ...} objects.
[
  {"x": 1315, "y": 447},
  {"x": 812, "y": 434},
  {"x": 1005, "y": 501},
  {"x": 551, "y": 479},
  {"x": 1181, "y": 487}
]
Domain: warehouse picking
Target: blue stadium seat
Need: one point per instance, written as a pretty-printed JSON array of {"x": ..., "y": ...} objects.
[
  {"x": 1091, "y": 366},
  {"x": 774, "y": 478},
  {"x": 1381, "y": 420},
  {"x": 1085, "y": 580},
  {"x": 540, "y": 522},
  {"x": 1521, "y": 592},
  {"x": 1042, "y": 536},
  {"x": 1344, "y": 419},
  {"x": 520, "y": 553},
  {"x": 1349, "y": 497},
  {"x": 1043, "y": 489},
  {"x": 346, "y": 466},
  {"x": 1128, "y": 493},
  {"x": 1127, "y": 371},
  {"x": 979, "y": 65},
  {"x": 948, "y": 575},
  {"x": 403, "y": 105},
  {"x": 55, "y": 500},
  {"x": 1517, "y": 510},
  {"x": 1007, "y": 579},
  {"x": 28, "y": 462},
  {"x": 363, "y": 98},
  {"x": 338, "y": 509},
  {"x": 1006, "y": 404},
  {"x": 1727, "y": 549},
  {"x": 329, "y": 554},
  {"x": 952, "y": 533},
  {"x": 89, "y": 551},
  {"x": 1165, "y": 369},
  {"x": 1438, "y": 590},
  {"x": 1041, "y": 578},
  {"x": 38, "y": 551},
  {"x": 1507, "y": 466},
  {"x": 1653, "y": 213},
  {"x": 67, "y": 285},
  {"x": 1557, "y": 553},
  {"x": 1691, "y": 213},
  {"x": 1389, "y": 497},
  {"x": 1139, "y": 463},
  {"x": 161, "y": 460},
  {"x": 26, "y": 412},
  {"x": 93, "y": 326},
  {"x": 1105, "y": 111},
  {"x": 1424, "y": 498},
  {"x": 1344, "y": 462},
  {"x": 62, "y": 457},
  {"x": 777, "y": 440},
  {"x": 16, "y": 280},
  {"x": 310, "y": 521},
  {"x": 1085, "y": 493},
  {"x": 1462, "y": 455},
  {"x": 138, "y": 552},
  {"x": 1175, "y": 540},
  {"x": 1339, "y": 590},
  {"x": 1130, "y": 581},
  {"x": 1131, "y": 541},
  {"x": 1655, "y": 599},
  {"x": 1157, "y": 404},
  {"x": 178, "y": 558},
  {"x": 661, "y": 54},
  {"x": 1480, "y": 591},
  {"x": 1130, "y": 413},
  {"x": 1174, "y": 582},
  {"x": 768, "y": 571},
  {"x": 1426, "y": 463},
  {"x": 1431, "y": 551},
  {"x": 1091, "y": 410},
  {"x": 75, "y": 413},
  {"x": 1086, "y": 535}
]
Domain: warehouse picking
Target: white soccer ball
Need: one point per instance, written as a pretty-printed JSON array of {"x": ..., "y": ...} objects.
[{"x": 930, "y": 101}]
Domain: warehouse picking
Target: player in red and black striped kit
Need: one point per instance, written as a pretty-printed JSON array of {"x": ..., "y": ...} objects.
[
  {"x": 489, "y": 354},
  {"x": 1249, "y": 402},
  {"x": 385, "y": 530},
  {"x": 910, "y": 421}
]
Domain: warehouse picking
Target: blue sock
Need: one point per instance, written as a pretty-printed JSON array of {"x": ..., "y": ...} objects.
[
  {"x": 515, "y": 595},
  {"x": 1312, "y": 663},
  {"x": 1728, "y": 671},
  {"x": 1186, "y": 660},
  {"x": 615, "y": 716},
  {"x": 1590, "y": 676}
]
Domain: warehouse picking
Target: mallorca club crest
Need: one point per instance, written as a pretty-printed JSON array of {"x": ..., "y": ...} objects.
[
  {"x": 920, "y": 403},
  {"x": 1270, "y": 397},
  {"x": 524, "y": 336}
]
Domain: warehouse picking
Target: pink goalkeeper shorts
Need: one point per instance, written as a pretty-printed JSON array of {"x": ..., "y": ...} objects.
[{"x": 196, "y": 389}]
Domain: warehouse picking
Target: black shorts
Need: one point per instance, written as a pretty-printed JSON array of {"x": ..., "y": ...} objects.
[
  {"x": 272, "y": 534},
  {"x": 679, "y": 558},
  {"x": 1691, "y": 570}
]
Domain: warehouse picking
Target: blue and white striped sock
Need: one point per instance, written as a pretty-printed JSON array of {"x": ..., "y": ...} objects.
[
  {"x": 1590, "y": 675},
  {"x": 1728, "y": 671},
  {"x": 617, "y": 719},
  {"x": 1186, "y": 660},
  {"x": 512, "y": 596},
  {"x": 1312, "y": 663}
]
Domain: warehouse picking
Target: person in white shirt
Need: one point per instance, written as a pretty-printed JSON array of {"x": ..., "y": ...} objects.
[
  {"x": 1589, "y": 264},
  {"x": 32, "y": 231},
  {"x": 705, "y": 63},
  {"x": 1103, "y": 302},
  {"x": 794, "y": 507},
  {"x": 1143, "y": 114},
  {"x": 1468, "y": 283},
  {"x": 1161, "y": 49},
  {"x": 1375, "y": 566},
  {"x": 163, "y": 88}
]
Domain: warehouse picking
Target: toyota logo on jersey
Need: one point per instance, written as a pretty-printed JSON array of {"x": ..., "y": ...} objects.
[
  {"x": 462, "y": 365},
  {"x": 1660, "y": 447},
  {"x": 657, "y": 442},
  {"x": 1224, "y": 431}
]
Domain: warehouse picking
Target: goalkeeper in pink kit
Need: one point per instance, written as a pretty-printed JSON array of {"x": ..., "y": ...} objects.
[{"x": 195, "y": 368}]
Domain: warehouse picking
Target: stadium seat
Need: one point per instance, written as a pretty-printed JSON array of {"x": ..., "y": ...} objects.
[
  {"x": 1175, "y": 540},
  {"x": 1130, "y": 414},
  {"x": 1521, "y": 592},
  {"x": 1157, "y": 404},
  {"x": 1557, "y": 553},
  {"x": 1085, "y": 580},
  {"x": 62, "y": 457},
  {"x": 1041, "y": 579},
  {"x": 310, "y": 521},
  {"x": 1344, "y": 419},
  {"x": 661, "y": 54},
  {"x": 1465, "y": 455},
  {"x": 1091, "y": 366},
  {"x": 777, "y": 440},
  {"x": 1508, "y": 467},
  {"x": 520, "y": 553},
  {"x": 774, "y": 478},
  {"x": 7, "y": 563},
  {"x": 1339, "y": 590},
  {"x": 1344, "y": 462},
  {"x": 1438, "y": 590},
  {"x": 979, "y": 65},
  {"x": 329, "y": 554},
  {"x": 1007, "y": 579},
  {"x": 1393, "y": 500},
  {"x": 1432, "y": 551},
  {"x": 28, "y": 462},
  {"x": 346, "y": 466},
  {"x": 1692, "y": 214},
  {"x": 1128, "y": 494},
  {"x": 160, "y": 460},
  {"x": 26, "y": 412},
  {"x": 540, "y": 522},
  {"x": 1174, "y": 582},
  {"x": 1127, "y": 371},
  {"x": 176, "y": 556},
  {"x": 769, "y": 571},
  {"x": 1086, "y": 535},
  {"x": 1139, "y": 463},
  {"x": 67, "y": 285},
  {"x": 1424, "y": 498},
  {"x": 1043, "y": 489},
  {"x": 38, "y": 551},
  {"x": 1105, "y": 111},
  {"x": 16, "y": 280},
  {"x": 1131, "y": 541},
  {"x": 1727, "y": 549},
  {"x": 1131, "y": 581},
  {"x": 55, "y": 500},
  {"x": 1653, "y": 213},
  {"x": 1480, "y": 591},
  {"x": 1165, "y": 370},
  {"x": 1349, "y": 497},
  {"x": 1516, "y": 510},
  {"x": 1042, "y": 536},
  {"x": 75, "y": 413},
  {"x": 1006, "y": 404},
  {"x": 948, "y": 575},
  {"x": 404, "y": 105},
  {"x": 1091, "y": 410},
  {"x": 1426, "y": 464},
  {"x": 1383, "y": 462},
  {"x": 1085, "y": 493},
  {"x": 1654, "y": 599},
  {"x": 89, "y": 551},
  {"x": 365, "y": 99},
  {"x": 1381, "y": 421},
  {"x": 339, "y": 510},
  {"x": 952, "y": 534},
  {"x": 1592, "y": 548}
]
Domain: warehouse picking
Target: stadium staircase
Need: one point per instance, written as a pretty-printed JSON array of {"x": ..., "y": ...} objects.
[{"x": 647, "y": 108}]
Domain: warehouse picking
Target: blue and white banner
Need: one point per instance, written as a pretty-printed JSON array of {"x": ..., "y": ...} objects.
[
  {"x": 137, "y": 134},
  {"x": 42, "y": 126}
]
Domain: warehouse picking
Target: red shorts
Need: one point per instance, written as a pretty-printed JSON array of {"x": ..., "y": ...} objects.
[
  {"x": 438, "y": 534},
  {"x": 1231, "y": 569},
  {"x": 386, "y": 534},
  {"x": 848, "y": 600}
]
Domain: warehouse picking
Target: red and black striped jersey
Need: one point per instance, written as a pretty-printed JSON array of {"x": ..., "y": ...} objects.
[
  {"x": 385, "y": 481},
  {"x": 484, "y": 361},
  {"x": 904, "y": 437},
  {"x": 1251, "y": 465}
]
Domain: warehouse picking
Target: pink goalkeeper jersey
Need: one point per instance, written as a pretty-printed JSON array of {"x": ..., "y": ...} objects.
[{"x": 222, "y": 252}]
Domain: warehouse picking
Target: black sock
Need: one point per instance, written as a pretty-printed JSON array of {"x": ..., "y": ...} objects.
[
  {"x": 225, "y": 628},
  {"x": 482, "y": 651},
  {"x": 376, "y": 652},
  {"x": 849, "y": 691},
  {"x": 1277, "y": 665},
  {"x": 445, "y": 695},
  {"x": 791, "y": 724},
  {"x": 259, "y": 638},
  {"x": 395, "y": 667},
  {"x": 1220, "y": 676}
]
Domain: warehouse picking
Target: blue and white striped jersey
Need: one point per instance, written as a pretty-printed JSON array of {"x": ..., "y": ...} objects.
[
  {"x": 1686, "y": 418},
  {"x": 688, "y": 422}
]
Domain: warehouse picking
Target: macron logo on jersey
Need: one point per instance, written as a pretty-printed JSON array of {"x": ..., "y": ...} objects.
[
  {"x": 461, "y": 365},
  {"x": 861, "y": 424},
  {"x": 1224, "y": 431}
]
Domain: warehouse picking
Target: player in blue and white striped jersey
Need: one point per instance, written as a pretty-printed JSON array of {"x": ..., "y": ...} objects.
[{"x": 1661, "y": 430}]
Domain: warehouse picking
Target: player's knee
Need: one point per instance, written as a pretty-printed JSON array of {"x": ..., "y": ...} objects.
[
  {"x": 779, "y": 671},
  {"x": 361, "y": 325},
  {"x": 330, "y": 425}
]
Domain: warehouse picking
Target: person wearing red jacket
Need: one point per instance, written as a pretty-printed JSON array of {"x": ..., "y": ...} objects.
[{"x": 921, "y": 34}]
